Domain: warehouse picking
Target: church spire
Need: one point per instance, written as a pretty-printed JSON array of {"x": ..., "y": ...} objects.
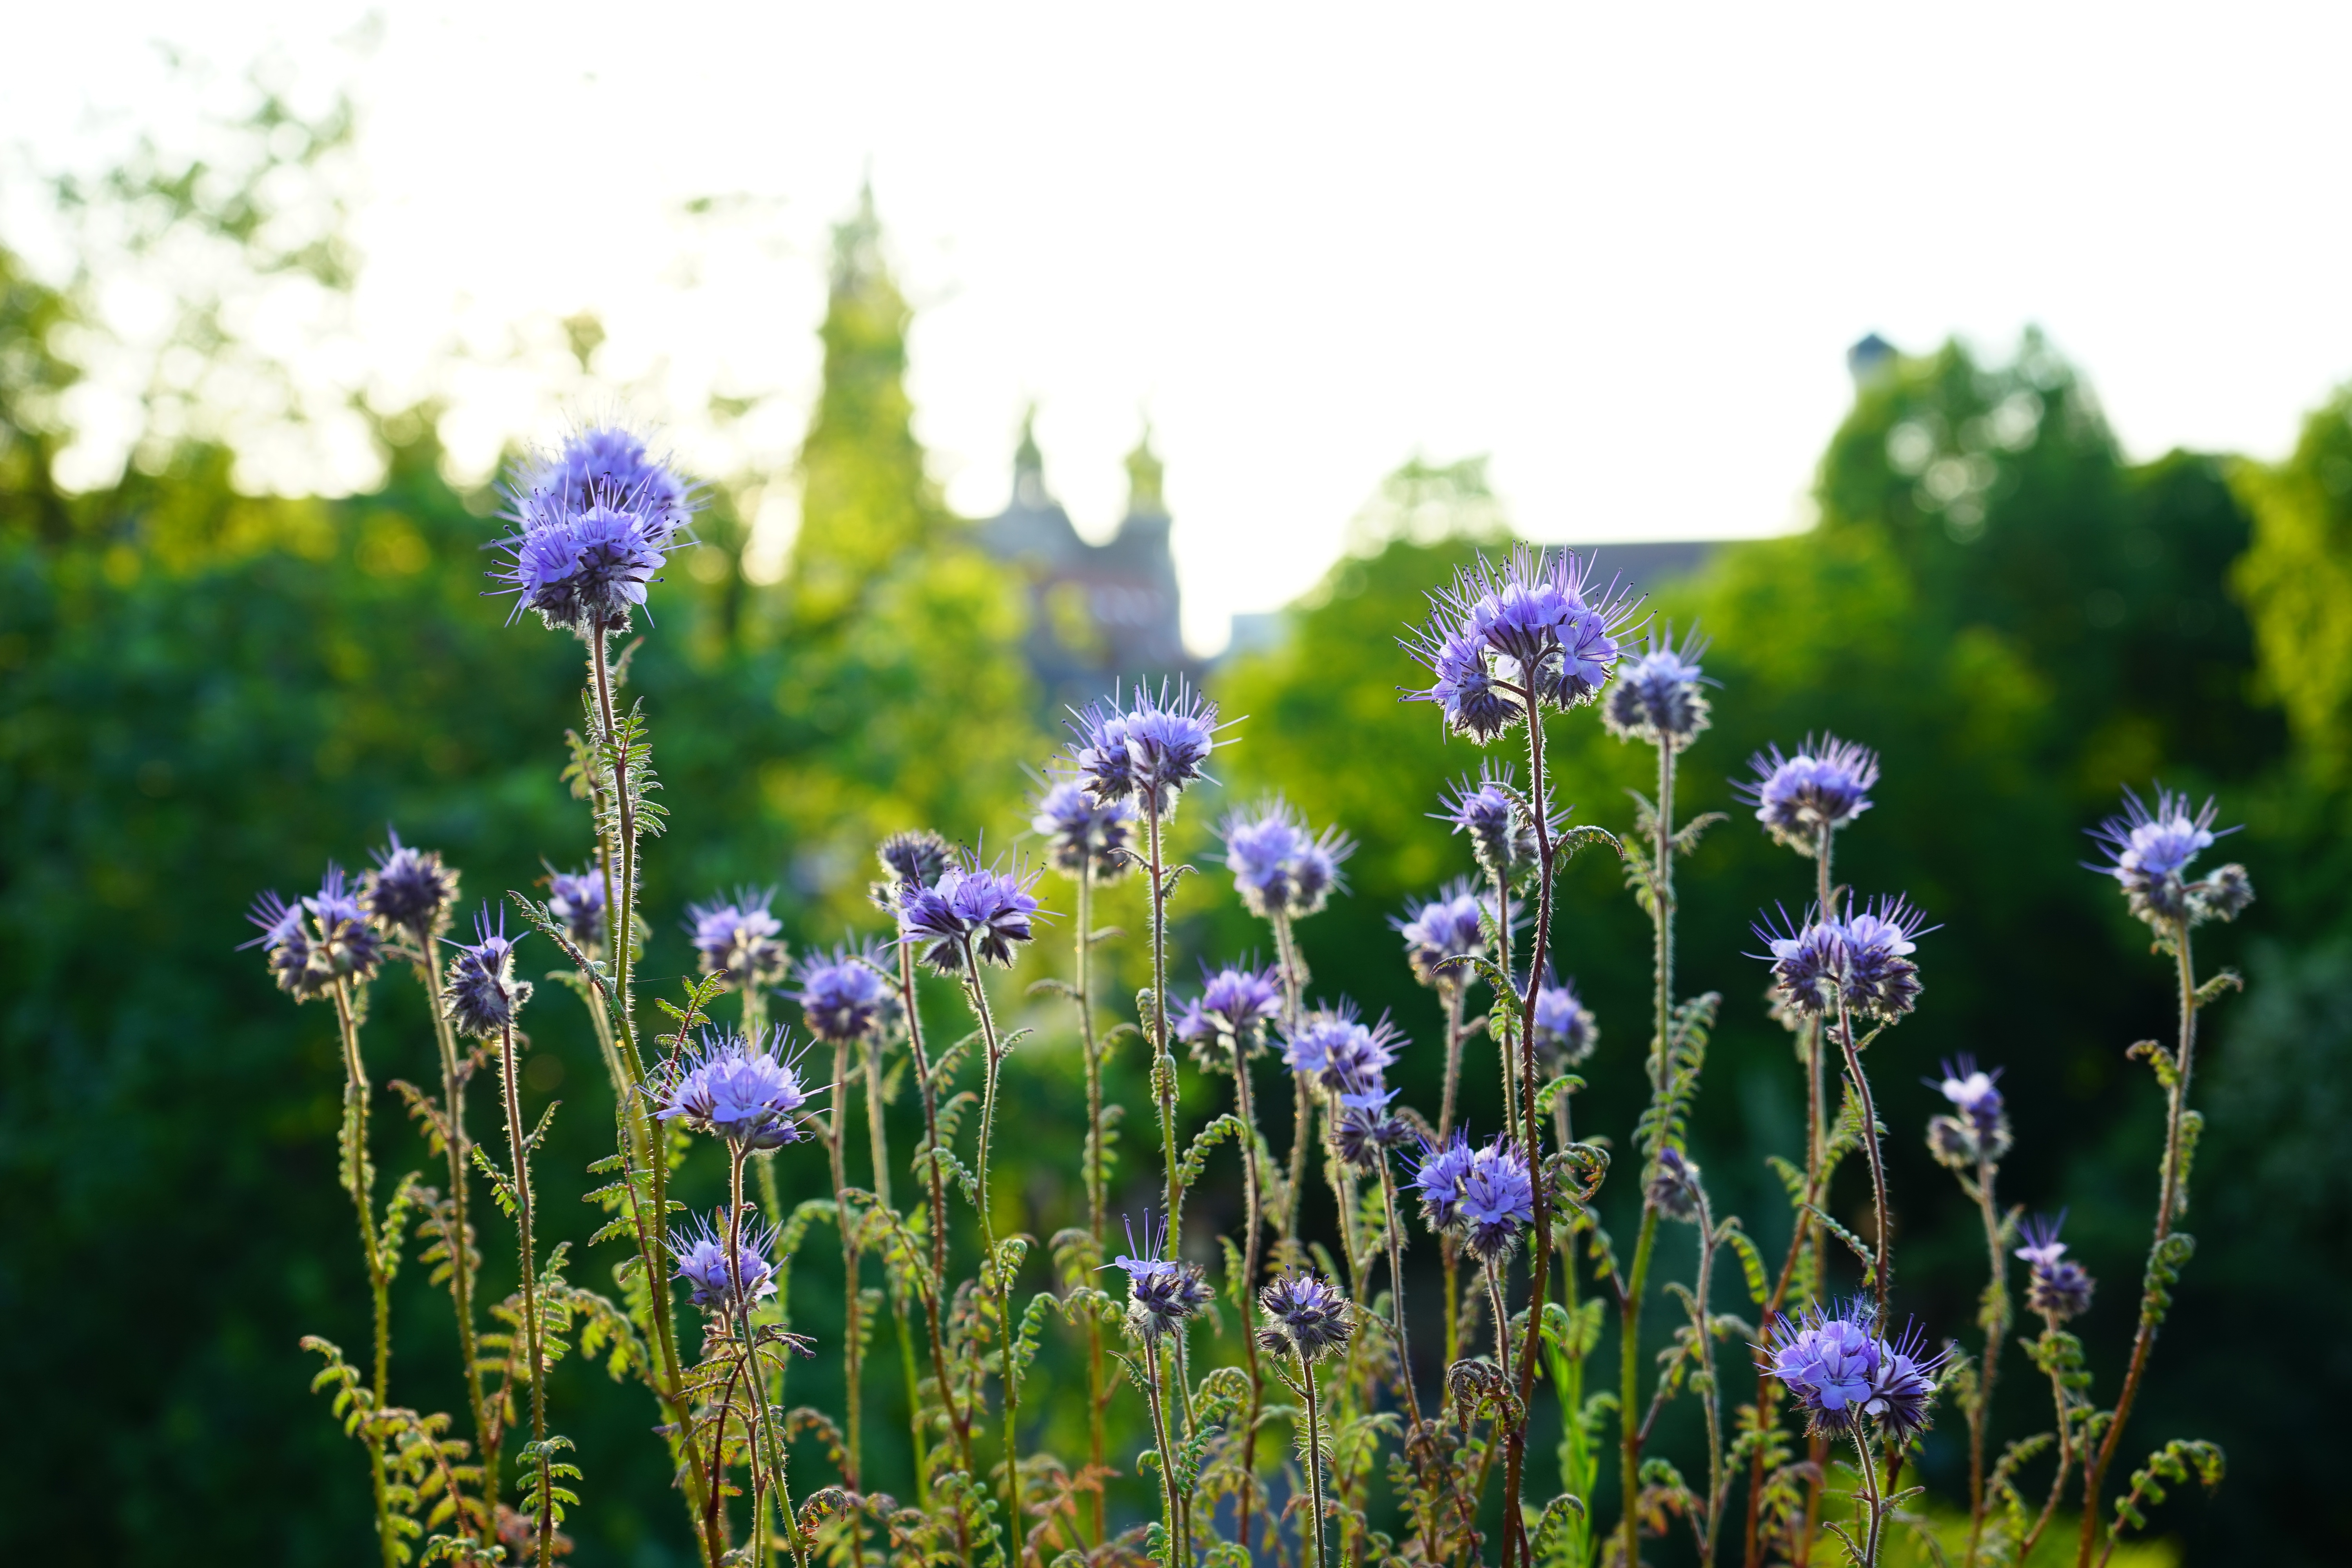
[
  {"x": 1145, "y": 473},
  {"x": 1028, "y": 462}
]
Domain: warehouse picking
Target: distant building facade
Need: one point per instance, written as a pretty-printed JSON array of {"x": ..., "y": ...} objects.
[{"x": 1099, "y": 614}]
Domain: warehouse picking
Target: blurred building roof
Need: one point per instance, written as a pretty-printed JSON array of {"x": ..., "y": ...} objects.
[{"x": 1099, "y": 614}]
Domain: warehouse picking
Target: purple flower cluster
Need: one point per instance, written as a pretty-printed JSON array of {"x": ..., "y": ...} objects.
[
  {"x": 323, "y": 938},
  {"x": 1080, "y": 832},
  {"x": 1864, "y": 960},
  {"x": 1979, "y": 1128},
  {"x": 2149, "y": 855},
  {"x": 843, "y": 994},
  {"x": 409, "y": 891},
  {"x": 1487, "y": 1196},
  {"x": 1364, "y": 1128},
  {"x": 576, "y": 900},
  {"x": 2057, "y": 1286},
  {"x": 971, "y": 915},
  {"x": 1565, "y": 1031},
  {"x": 1820, "y": 789},
  {"x": 1311, "y": 1318},
  {"x": 1148, "y": 751},
  {"x": 739, "y": 1089},
  {"x": 1440, "y": 933},
  {"x": 1502, "y": 837},
  {"x": 1230, "y": 1015},
  {"x": 1279, "y": 869},
  {"x": 737, "y": 938},
  {"x": 592, "y": 524},
  {"x": 1839, "y": 1371},
  {"x": 704, "y": 1264},
  {"x": 1673, "y": 1187},
  {"x": 1657, "y": 698},
  {"x": 1162, "y": 1294},
  {"x": 1503, "y": 639},
  {"x": 482, "y": 995},
  {"x": 1333, "y": 1047}
]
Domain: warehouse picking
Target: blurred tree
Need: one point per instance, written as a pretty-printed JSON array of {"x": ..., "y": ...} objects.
[{"x": 2297, "y": 581}]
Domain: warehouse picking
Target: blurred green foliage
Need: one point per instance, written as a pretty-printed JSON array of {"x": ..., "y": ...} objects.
[{"x": 204, "y": 692}]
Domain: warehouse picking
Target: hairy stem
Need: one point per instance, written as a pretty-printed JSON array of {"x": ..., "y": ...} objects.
[
  {"x": 1246, "y": 1104},
  {"x": 2168, "y": 1204},
  {"x": 1396, "y": 1288},
  {"x": 959, "y": 1418},
  {"x": 460, "y": 1239},
  {"x": 852, "y": 1306},
  {"x": 1882, "y": 1275},
  {"x": 359, "y": 1180},
  {"x": 1314, "y": 1460},
  {"x": 978, "y": 994},
  {"x": 519, "y": 1153},
  {"x": 1163, "y": 1065},
  {"x": 1629, "y": 1370},
  {"x": 1096, "y": 1172},
  {"x": 1980, "y": 1412}
]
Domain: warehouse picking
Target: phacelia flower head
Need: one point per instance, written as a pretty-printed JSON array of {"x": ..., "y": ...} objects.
[
  {"x": 973, "y": 914},
  {"x": 2057, "y": 1285},
  {"x": 409, "y": 891},
  {"x": 1879, "y": 978},
  {"x": 1308, "y": 1317},
  {"x": 1820, "y": 789},
  {"x": 843, "y": 995},
  {"x": 1502, "y": 837},
  {"x": 481, "y": 995},
  {"x": 1529, "y": 632},
  {"x": 1333, "y": 1047},
  {"x": 1839, "y": 1372},
  {"x": 1438, "y": 1179},
  {"x": 1280, "y": 870},
  {"x": 1230, "y": 1015},
  {"x": 285, "y": 941},
  {"x": 724, "y": 1284},
  {"x": 576, "y": 900},
  {"x": 1978, "y": 1130},
  {"x": 2149, "y": 852},
  {"x": 343, "y": 945},
  {"x": 594, "y": 523},
  {"x": 739, "y": 1089},
  {"x": 1656, "y": 698},
  {"x": 1080, "y": 832},
  {"x": 737, "y": 937},
  {"x": 1148, "y": 751},
  {"x": 1441, "y": 934},
  {"x": 1674, "y": 1187},
  {"x": 1162, "y": 1294},
  {"x": 1565, "y": 1031},
  {"x": 1806, "y": 960},
  {"x": 1486, "y": 1196},
  {"x": 910, "y": 860},
  {"x": 1363, "y": 1129}
]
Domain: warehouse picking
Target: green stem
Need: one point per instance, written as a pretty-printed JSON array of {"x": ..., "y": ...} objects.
[
  {"x": 1629, "y": 1372},
  {"x": 359, "y": 1176},
  {"x": 1097, "y": 1177},
  {"x": 460, "y": 1242},
  {"x": 1314, "y": 1460},
  {"x": 852, "y": 1306},
  {"x": 1163, "y": 1064},
  {"x": 519, "y": 1154},
  {"x": 978, "y": 994},
  {"x": 1979, "y": 1410}
]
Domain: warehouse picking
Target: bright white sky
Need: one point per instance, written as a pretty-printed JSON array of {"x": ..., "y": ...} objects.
[{"x": 1623, "y": 249}]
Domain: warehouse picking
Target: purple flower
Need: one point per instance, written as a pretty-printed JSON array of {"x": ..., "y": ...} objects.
[
  {"x": 1280, "y": 870},
  {"x": 2149, "y": 852},
  {"x": 1333, "y": 1047},
  {"x": 1565, "y": 1031},
  {"x": 2057, "y": 1285},
  {"x": 1442, "y": 932},
  {"x": 1311, "y": 1316},
  {"x": 737, "y": 939},
  {"x": 1820, "y": 789},
  {"x": 609, "y": 461},
  {"x": 1502, "y": 837},
  {"x": 970, "y": 915},
  {"x": 1879, "y": 978},
  {"x": 1806, "y": 960},
  {"x": 1079, "y": 832},
  {"x": 409, "y": 891},
  {"x": 576, "y": 900},
  {"x": 592, "y": 523},
  {"x": 482, "y": 995},
  {"x": 720, "y": 1284},
  {"x": 1657, "y": 698},
  {"x": 343, "y": 945},
  {"x": 843, "y": 994},
  {"x": 1828, "y": 1362},
  {"x": 285, "y": 941},
  {"x": 739, "y": 1089},
  {"x": 1487, "y": 1196},
  {"x": 1364, "y": 1129},
  {"x": 1674, "y": 1187},
  {"x": 1231, "y": 1013},
  {"x": 1980, "y": 1131},
  {"x": 1148, "y": 751},
  {"x": 1162, "y": 1294},
  {"x": 910, "y": 860},
  {"x": 1903, "y": 1387},
  {"x": 1501, "y": 639}
]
